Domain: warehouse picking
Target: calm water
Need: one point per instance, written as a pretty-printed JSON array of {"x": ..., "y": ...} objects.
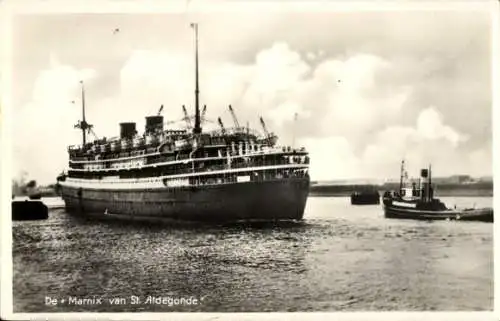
[{"x": 341, "y": 258}]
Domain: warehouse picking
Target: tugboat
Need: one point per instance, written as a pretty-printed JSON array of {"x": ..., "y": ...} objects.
[
  {"x": 418, "y": 202},
  {"x": 33, "y": 191}
]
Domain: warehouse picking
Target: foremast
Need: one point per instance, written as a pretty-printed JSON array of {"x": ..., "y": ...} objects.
[{"x": 83, "y": 125}]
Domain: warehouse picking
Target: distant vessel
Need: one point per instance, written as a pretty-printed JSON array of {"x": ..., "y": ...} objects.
[
  {"x": 418, "y": 202},
  {"x": 365, "y": 197},
  {"x": 33, "y": 191},
  {"x": 223, "y": 175}
]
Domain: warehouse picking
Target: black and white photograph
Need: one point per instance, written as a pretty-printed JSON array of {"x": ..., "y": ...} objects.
[{"x": 229, "y": 158}]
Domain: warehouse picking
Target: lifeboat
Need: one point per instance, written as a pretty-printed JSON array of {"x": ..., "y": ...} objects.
[
  {"x": 151, "y": 140},
  {"x": 114, "y": 146},
  {"x": 181, "y": 143},
  {"x": 125, "y": 143},
  {"x": 138, "y": 141}
]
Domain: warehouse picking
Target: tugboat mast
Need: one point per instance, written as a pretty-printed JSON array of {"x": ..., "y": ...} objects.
[
  {"x": 197, "y": 122},
  {"x": 430, "y": 191},
  {"x": 402, "y": 175}
]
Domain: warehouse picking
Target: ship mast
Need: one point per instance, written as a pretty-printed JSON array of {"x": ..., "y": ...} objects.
[
  {"x": 294, "y": 128},
  {"x": 197, "y": 121},
  {"x": 430, "y": 185},
  {"x": 83, "y": 125},
  {"x": 401, "y": 175}
]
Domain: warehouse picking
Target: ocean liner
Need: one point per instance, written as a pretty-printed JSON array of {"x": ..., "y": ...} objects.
[{"x": 186, "y": 174}]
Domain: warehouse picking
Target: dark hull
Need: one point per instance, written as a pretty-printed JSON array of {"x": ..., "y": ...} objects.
[
  {"x": 365, "y": 199},
  {"x": 483, "y": 215},
  {"x": 283, "y": 199}
]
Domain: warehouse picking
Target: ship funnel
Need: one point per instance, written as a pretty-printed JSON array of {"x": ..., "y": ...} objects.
[
  {"x": 425, "y": 186},
  {"x": 424, "y": 177},
  {"x": 127, "y": 130},
  {"x": 154, "y": 124}
]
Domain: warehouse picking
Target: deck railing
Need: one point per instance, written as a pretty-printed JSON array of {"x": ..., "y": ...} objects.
[{"x": 190, "y": 168}]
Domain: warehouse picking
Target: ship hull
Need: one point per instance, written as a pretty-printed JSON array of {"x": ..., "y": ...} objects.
[
  {"x": 283, "y": 199},
  {"x": 483, "y": 215}
]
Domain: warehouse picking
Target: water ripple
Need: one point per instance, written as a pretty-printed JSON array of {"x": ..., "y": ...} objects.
[{"x": 340, "y": 258}]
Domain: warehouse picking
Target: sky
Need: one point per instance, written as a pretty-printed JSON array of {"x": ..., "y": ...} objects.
[{"x": 369, "y": 87}]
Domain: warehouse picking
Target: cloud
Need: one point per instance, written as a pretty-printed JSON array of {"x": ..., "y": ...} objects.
[
  {"x": 311, "y": 56},
  {"x": 258, "y": 88},
  {"x": 45, "y": 125},
  {"x": 332, "y": 158},
  {"x": 285, "y": 112},
  {"x": 430, "y": 126},
  {"x": 429, "y": 140},
  {"x": 354, "y": 97},
  {"x": 278, "y": 84},
  {"x": 277, "y": 69}
]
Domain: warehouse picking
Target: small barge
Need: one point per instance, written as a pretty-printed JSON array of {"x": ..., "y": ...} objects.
[
  {"x": 418, "y": 202},
  {"x": 29, "y": 210},
  {"x": 365, "y": 198}
]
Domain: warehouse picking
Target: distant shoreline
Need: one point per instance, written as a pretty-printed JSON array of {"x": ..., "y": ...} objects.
[
  {"x": 483, "y": 189},
  {"x": 478, "y": 194},
  {"x": 42, "y": 194}
]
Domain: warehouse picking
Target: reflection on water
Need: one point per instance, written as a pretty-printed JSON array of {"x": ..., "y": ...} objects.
[{"x": 341, "y": 257}]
